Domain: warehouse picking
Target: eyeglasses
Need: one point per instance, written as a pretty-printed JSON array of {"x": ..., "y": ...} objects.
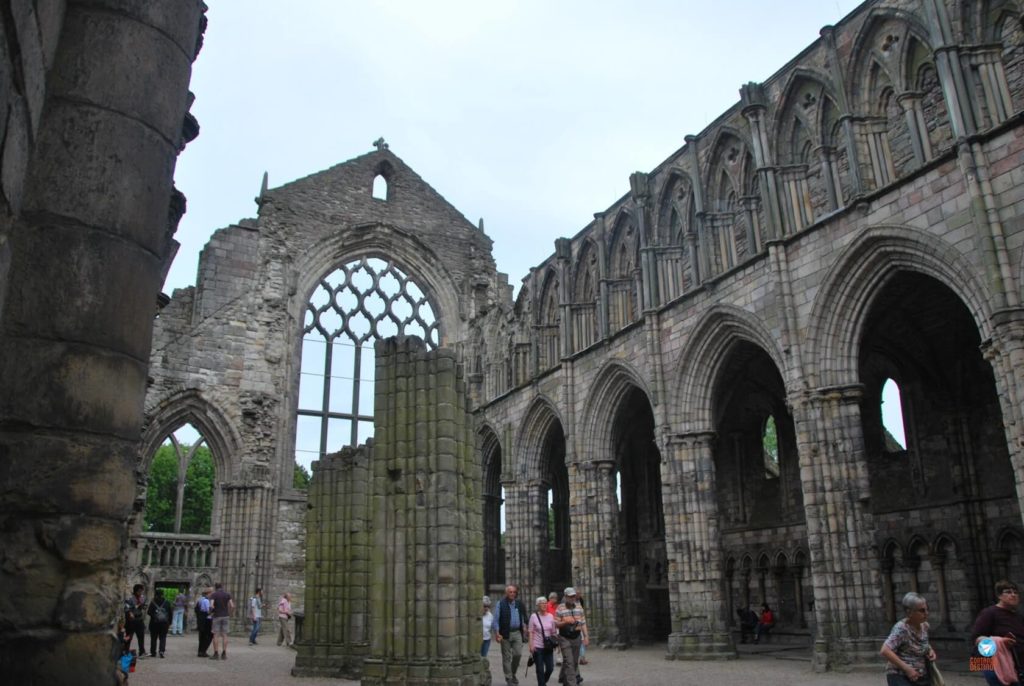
[{"x": 1009, "y": 591}]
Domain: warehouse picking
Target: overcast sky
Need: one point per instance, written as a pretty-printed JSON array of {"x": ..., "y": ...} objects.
[{"x": 529, "y": 114}]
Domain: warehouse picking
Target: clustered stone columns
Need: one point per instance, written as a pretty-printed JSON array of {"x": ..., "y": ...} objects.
[
  {"x": 595, "y": 559},
  {"x": 395, "y": 535},
  {"x": 699, "y": 628},
  {"x": 79, "y": 278},
  {"x": 840, "y": 526},
  {"x": 338, "y": 544}
]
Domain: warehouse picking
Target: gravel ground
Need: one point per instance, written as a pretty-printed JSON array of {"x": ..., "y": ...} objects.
[{"x": 269, "y": 665}]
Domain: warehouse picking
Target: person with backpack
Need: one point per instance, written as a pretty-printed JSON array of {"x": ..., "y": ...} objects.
[
  {"x": 203, "y": 622},
  {"x": 135, "y": 617},
  {"x": 159, "y": 622}
]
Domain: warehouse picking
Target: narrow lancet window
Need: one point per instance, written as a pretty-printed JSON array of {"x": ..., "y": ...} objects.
[
  {"x": 894, "y": 434},
  {"x": 770, "y": 448},
  {"x": 380, "y": 187}
]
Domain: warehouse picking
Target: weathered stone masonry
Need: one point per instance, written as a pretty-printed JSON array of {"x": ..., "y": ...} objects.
[
  {"x": 394, "y": 537},
  {"x": 87, "y": 213},
  {"x": 853, "y": 220}
]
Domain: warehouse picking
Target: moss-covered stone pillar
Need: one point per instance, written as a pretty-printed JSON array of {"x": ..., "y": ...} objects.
[
  {"x": 395, "y": 536},
  {"x": 338, "y": 549}
]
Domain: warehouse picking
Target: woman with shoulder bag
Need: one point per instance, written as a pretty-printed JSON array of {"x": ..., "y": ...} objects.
[{"x": 540, "y": 635}]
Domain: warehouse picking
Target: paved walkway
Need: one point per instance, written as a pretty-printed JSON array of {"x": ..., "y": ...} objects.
[{"x": 269, "y": 665}]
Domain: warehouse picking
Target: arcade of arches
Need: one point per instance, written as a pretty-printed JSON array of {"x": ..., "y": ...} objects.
[{"x": 681, "y": 410}]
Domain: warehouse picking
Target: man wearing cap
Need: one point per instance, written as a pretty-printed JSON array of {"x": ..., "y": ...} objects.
[
  {"x": 572, "y": 633},
  {"x": 511, "y": 627}
]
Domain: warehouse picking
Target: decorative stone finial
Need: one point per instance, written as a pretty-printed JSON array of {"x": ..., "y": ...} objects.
[{"x": 380, "y": 144}]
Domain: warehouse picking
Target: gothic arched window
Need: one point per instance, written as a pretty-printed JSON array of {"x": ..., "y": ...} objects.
[{"x": 359, "y": 303}]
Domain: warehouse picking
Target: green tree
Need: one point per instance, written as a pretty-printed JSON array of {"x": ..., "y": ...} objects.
[
  {"x": 301, "y": 477},
  {"x": 197, "y": 508},
  {"x": 162, "y": 491}
]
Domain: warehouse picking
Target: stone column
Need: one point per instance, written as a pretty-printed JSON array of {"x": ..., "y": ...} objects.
[
  {"x": 1005, "y": 352},
  {"x": 521, "y": 522},
  {"x": 840, "y": 527},
  {"x": 335, "y": 638},
  {"x": 910, "y": 103},
  {"x": 247, "y": 522},
  {"x": 427, "y": 538},
  {"x": 94, "y": 95},
  {"x": 699, "y": 625},
  {"x": 755, "y": 107},
  {"x": 596, "y": 548}
]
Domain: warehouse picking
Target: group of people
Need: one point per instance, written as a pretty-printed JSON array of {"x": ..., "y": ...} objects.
[
  {"x": 910, "y": 658},
  {"x": 213, "y": 609},
  {"x": 552, "y": 625},
  {"x": 750, "y": 623}
]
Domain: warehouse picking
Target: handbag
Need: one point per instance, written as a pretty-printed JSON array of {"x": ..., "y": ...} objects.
[
  {"x": 549, "y": 641},
  {"x": 935, "y": 675}
]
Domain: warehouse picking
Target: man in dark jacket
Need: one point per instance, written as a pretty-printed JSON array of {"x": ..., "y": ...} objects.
[
  {"x": 203, "y": 622},
  {"x": 511, "y": 617}
]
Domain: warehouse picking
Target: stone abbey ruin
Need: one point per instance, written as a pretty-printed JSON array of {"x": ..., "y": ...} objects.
[{"x": 680, "y": 412}]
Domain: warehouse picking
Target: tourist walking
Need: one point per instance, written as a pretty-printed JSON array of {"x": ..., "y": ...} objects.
[
  {"x": 907, "y": 649},
  {"x": 204, "y": 624},
  {"x": 134, "y": 617},
  {"x": 223, "y": 606},
  {"x": 255, "y": 614},
  {"x": 511, "y": 629},
  {"x": 178, "y": 620},
  {"x": 487, "y": 624},
  {"x": 1003, "y": 626},
  {"x": 284, "y": 613},
  {"x": 572, "y": 633},
  {"x": 159, "y": 622},
  {"x": 542, "y": 637}
]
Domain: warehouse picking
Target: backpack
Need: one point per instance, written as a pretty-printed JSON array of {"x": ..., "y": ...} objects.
[{"x": 160, "y": 614}]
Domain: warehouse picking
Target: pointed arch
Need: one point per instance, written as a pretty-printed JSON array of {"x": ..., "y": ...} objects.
[
  {"x": 862, "y": 269},
  {"x": 548, "y": 311},
  {"x": 585, "y": 273},
  {"x": 389, "y": 243},
  {"x": 539, "y": 419},
  {"x": 612, "y": 383},
  {"x": 803, "y": 100},
  {"x": 623, "y": 246},
  {"x": 673, "y": 207},
  {"x": 726, "y": 166},
  {"x": 887, "y": 52},
  {"x": 702, "y": 357},
  {"x": 189, "y": 406}
]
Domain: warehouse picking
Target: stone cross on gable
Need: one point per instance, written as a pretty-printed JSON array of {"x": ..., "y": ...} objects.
[{"x": 380, "y": 144}]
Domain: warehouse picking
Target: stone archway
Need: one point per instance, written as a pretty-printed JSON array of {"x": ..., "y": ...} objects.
[
  {"x": 757, "y": 469},
  {"x": 947, "y": 476}
]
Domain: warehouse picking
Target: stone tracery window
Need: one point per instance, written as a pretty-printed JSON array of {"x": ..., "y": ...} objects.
[{"x": 362, "y": 301}]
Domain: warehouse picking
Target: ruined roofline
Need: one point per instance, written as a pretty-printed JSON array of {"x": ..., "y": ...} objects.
[
  {"x": 708, "y": 131},
  {"x": 387, "y": 156}
]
